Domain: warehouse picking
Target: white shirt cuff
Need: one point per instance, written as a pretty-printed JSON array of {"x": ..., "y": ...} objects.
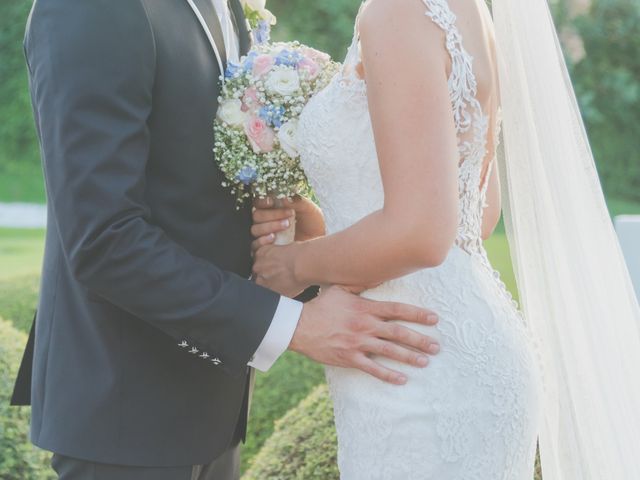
[{"x": 279, "y": 334}]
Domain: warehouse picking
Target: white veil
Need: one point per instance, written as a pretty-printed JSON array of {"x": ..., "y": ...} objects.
[{"x": 574, "y": 286}]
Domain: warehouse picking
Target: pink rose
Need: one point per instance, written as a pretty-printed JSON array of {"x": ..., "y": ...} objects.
[
  {"x": 309, "y": 66},
  {"x": 260, "y": 135},
  {"x": 262, "y": 64},
  {"x": 316, "y": 55},
  {"x": 250, "y": 100}
]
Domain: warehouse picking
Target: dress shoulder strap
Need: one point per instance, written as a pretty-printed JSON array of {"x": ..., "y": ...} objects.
[
  {"x": 441, "y": 14},
  {"x": 353, "y": 53},
  {"x": 462, "y": 81}
]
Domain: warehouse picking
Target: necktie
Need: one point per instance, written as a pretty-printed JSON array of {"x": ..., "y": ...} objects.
[{"x": 231, "y": 41}]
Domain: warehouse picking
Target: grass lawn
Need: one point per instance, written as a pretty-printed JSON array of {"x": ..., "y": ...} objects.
[
  {"x": 498, "y": 250},
  {"x": 20, "y": 263},
  {"x": 20, "y": 252}
]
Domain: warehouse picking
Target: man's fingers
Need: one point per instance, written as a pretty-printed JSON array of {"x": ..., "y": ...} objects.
[
  {"x": 400, "y": 334},
  {"x": 373, "y": 368},
  {"x": 261, "y": 229},
  {"x": 261, "y": 242},
  {"x": 273, "y": 214},
  {"x": 402, "y": 311},
  {"x": 394, "y": 351}
]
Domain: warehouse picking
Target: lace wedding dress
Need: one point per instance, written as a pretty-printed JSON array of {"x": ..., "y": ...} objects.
[{"x": 473, "y": 413}]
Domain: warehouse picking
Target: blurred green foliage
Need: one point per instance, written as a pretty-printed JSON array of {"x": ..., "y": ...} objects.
[
  {"x": 607, "y": 82},
  {"x": 19, "y": 153},
  {"x": 326, "y": 25}
]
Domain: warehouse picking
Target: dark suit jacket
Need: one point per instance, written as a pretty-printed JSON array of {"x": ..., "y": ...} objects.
[{"x": 146, "y": 322}]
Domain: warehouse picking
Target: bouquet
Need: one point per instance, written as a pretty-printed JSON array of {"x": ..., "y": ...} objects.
[{"x": 255, "y": 128}]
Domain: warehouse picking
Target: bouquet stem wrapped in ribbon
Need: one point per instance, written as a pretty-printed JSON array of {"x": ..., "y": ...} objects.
[{"x": 255, "y": 130}]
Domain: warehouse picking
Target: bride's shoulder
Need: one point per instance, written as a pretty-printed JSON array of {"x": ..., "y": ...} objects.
[{"x": 396, "y": 17}]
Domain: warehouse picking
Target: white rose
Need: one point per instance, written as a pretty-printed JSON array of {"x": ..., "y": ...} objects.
[
  {"x": 256, "y": 5},
  {"x": 230, "y": 112},
  {"x": 283, "y": 81},
  {"x": 287, "y": 138},
  {"x": 268, "y": 16}
]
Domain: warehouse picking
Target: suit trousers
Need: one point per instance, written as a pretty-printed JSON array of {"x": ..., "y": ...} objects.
[{"x": 225, "y": 467}]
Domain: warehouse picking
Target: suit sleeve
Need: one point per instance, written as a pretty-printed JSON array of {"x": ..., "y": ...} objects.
[{"x": 92, "y": 66}]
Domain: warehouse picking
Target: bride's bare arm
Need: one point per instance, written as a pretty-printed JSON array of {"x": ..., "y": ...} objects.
[{"x": 405, "y": 66}]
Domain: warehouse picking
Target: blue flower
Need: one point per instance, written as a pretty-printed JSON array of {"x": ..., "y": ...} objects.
[
  {"x": 272, "y": 115},
  {"x": 247, "y": 64},
  {"x": 232, "y": 69},
  {"x": 288, "y": 58},
  {"x": 262, "y": 33},
  {"x": 247, "y": 175}
]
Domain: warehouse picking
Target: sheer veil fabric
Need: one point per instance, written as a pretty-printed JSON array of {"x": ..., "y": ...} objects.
[{"x": 574, "y": 286}]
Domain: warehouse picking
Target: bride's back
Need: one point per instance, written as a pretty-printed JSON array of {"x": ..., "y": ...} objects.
[{"x": 478, "y": 38}]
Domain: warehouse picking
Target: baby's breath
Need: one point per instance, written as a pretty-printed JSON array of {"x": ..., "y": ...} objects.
[{"x": 272, "y": 94}]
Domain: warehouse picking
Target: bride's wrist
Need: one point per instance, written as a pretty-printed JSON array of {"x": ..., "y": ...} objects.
[{"x": 299, "y": 267}]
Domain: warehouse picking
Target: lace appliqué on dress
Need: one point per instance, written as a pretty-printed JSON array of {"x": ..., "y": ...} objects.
[{"x": 472, "y": 413}]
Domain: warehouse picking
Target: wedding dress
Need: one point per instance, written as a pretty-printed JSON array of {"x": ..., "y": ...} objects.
[{"x": 474, "y": 412}]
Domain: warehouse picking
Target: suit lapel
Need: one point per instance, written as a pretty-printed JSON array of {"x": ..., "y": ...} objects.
[
  {"x": 204, "y": 11},
  {"x": 241, "y": 26}
]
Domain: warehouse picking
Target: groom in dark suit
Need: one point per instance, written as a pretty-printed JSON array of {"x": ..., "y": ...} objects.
[{"x": 147, "y": 327}]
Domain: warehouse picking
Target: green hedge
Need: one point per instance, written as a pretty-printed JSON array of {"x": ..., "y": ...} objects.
[
  {"x": 18, "y": 300},
  {"x": 303, "y": 446},
  {"x": 289, "y": 381},
  {"x": 19, "y": 460}
]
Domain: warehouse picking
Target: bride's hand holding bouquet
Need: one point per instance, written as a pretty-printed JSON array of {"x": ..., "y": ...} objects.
[{"x": 269, "y": 220}]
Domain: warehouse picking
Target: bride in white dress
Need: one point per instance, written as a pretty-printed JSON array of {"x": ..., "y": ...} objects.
[
  {"x": 405, "y": 179},
  {"x": 400, "y": 150}
]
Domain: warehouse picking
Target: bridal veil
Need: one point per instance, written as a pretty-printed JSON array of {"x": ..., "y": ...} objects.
[{"x": 574, "y": 286}]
